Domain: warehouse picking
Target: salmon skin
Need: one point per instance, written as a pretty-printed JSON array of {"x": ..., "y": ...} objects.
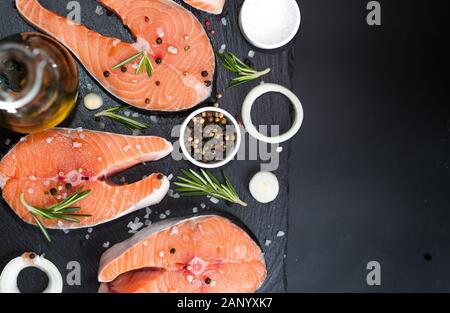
[
  {"x": 173, "y": 38},
  {"x": 210, "y": 6},
  {"x": 205, "y": 254},
  {"x": 51, "y": 165}
]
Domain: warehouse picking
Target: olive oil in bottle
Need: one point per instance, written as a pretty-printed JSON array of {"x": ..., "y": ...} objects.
[{"x": 38, "y": 82}]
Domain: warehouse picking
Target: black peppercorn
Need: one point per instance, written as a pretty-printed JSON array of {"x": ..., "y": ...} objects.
[
  {"x": 208, "y": 83},
  {"x": 173, "y": 251},
  {"x": 147, "y": 101},
  {"x": 205, "y": 73},
  {"x": 160, "y": 176},
  {"x": 158, "y": 60},
  {"x": 68, "y": 186},
  {"x": 106, "y": 73},
  {"x": 53, "y": 191},
  {"x": 123, "y": 69},
  {"x": 158, "y": 83},
  {"x": 159, "y": 41},
  {"x": 208, "y": 281}
]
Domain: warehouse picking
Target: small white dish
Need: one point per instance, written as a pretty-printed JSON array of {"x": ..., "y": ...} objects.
[
  {"x": 230, "y": 156},
  {"x": 247, "y": 111},
  {"x": 269, "y": 24}
]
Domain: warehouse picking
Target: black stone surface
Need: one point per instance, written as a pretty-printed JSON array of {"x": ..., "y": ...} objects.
[
  {"x": 369, "y": 172},
  {"x": 265, "y": 221}
]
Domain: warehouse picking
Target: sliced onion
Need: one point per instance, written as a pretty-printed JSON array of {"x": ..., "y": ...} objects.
[
  {"x": 93, "y": 101},
  {"x": 8, "y": 278},
  {"x": 264, "y": 187}
]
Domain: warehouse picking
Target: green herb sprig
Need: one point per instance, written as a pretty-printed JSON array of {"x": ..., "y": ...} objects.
[
  {"x": 205, "y": 184},
  {"x": 62, "y": 211},
  {"x": 128, "y": 122},
  {"x": 244, "y": 72},
  {"x": 145, "y": 64}
]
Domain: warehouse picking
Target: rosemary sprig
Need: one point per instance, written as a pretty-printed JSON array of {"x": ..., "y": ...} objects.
[
  {"x": 205, "y": 184},
  {"x": 128, "y": 122},
  {"x": 62, "y": 211},
  {"x": 145, "y": 64},
  {"x": 244, "y": 72}
]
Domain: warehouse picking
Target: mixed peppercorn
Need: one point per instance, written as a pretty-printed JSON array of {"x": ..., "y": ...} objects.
[{"x": 210, "y": 137}]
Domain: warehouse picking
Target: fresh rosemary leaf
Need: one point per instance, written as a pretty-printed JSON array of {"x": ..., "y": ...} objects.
[
  {"x": 206, "y": 184},
  {"x": 145, "y": 64},
  {"x": 244, "y": 72},
  {"x": 60, "y": 211},
  {"x": 126, "y": 121},
  {"x": 130, "y": 59}
]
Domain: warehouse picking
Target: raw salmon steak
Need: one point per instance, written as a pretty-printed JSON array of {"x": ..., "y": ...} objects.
[
  {"x": 206, "y": 254},
  {"x": 175, "y": 41},
  {"x": 210, "y": 6},
  {"x": 48, "y": 166}
]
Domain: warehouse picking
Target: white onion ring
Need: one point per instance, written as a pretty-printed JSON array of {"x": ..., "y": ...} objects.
[
  {"x": 8, "y": 278},
  {"x": 258, "y": 92}
]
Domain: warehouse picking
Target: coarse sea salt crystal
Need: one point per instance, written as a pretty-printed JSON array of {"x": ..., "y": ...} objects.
[
  {"x": 195, "y": 210},
  {"x": 251, "y": 54},
  {"x": 87, "y": 237},
  {"x": 77, "y": 145},
  {"x": 160, "y": 32},
  {"x": 148, "y": 222},
  {"x": 30, "y": 191},
  {"x": 49, "y": 140},
  {"x": 189, "y": 278},
  {"x": 23, "y": 139},
  {"x": 268, "y": 242},
  {"x": 66, "y": 231},
  {"x": 279, "y": 149},
  {"x": 222, "y": 48},
  {"x": 99, "y": 10},
  {"x": 172, "y": 50},
  {"x": 170, "y": 177},
  {"x": 224, "y": 21},
  {"x": 127, "y": 148},
  {"x": 148, "y": 211},
  {"x": 168, "y": 212},
  {"x": 139, "y": 147},
  {"x": 202, "y": 205},
  {"x": 106, "y": 245},
  {"x": 214, "y": 200},
  {"x": 161, "y": 254},
  {"x": 281, "y": 233},
  {"x": 162, "y": 216},
  {"x": 7, "y": 141},
  {"x": 90, "y": 230},
  {"x": 174, "y": 231}
]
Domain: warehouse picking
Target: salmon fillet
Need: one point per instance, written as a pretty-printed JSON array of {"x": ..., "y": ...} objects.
[
  {"x": 206, "y": 254},
  {"x": 51, "y": 165},
  {"x": 210, "y": 6},
  {"x": 169, "y": 34}
]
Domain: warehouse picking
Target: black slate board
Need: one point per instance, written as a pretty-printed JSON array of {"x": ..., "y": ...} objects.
[{"x": 264, "y": 221}]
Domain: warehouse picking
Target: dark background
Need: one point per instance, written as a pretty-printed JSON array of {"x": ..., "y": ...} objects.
[{"x": 370, "y": 177}]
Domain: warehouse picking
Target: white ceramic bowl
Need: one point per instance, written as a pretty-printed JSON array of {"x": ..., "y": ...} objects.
[
  {"x": 230, "y": 156},
  {"x": 247, "y": 20}
]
